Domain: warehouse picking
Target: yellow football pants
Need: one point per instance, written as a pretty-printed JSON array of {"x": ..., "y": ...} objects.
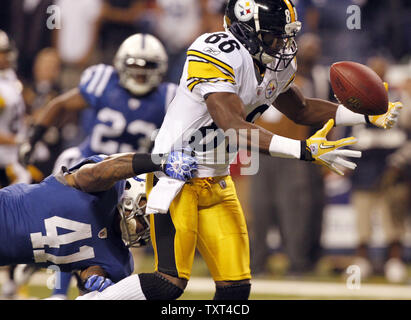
[{"x": 207, "y": 215}]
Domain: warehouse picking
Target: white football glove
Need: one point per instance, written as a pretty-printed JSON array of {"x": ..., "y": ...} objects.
[{"x": 390, "y": 118}]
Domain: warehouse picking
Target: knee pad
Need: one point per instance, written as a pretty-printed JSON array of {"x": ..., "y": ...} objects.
[
  {"x": 236, "y": 291},
  {"x": 156, "y": 287}
]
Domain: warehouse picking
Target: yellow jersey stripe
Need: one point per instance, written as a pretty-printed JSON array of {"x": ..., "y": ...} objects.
[
  {"x": 291, "y": 9},
  {"x": 213, "y": 60},
  {"x": 2, "y": 103},
  {"x": 196, "y": 82},
  {"x": 289, "y": 81},
  {"x": 205, "y": 70}
]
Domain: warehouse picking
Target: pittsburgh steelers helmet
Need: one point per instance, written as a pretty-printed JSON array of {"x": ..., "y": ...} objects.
[
  {"x": 141, "y": 62},
  {"x": 7, "y": 46},
  {"x": 134, "y": 224},
  {"x": 266, "y": 28}
]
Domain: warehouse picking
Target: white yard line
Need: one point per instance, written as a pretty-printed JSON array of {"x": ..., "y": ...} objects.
[{"x": 314, "y": 289}]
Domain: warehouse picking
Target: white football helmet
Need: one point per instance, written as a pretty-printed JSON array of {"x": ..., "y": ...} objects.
[
  {"x": 141, "y": 62},
  {"x": 134, "y": 224}
]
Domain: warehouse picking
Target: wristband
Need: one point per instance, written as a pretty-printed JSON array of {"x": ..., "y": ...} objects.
[
  {"x": 346, "y": 117},
  {"x": 306, "y": 154},
  {"x": 37, "y": 133},
  {"x": 143, "y": 163},
  {"x": 285, "y": 147}
]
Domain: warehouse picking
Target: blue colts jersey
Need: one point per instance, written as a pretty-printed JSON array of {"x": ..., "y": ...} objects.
[
  {"x": 51, "y": 223},
  {"x": 117, "y": 120}
]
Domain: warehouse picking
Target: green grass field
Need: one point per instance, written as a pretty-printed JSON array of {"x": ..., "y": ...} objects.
[{"x": 323, "y": 275}]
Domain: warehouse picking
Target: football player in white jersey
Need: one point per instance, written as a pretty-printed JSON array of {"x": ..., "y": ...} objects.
[
  {"x": 229, "y": 79},
  {"x": 12, "y": 111},
  {"x": 12, "y": 128}
]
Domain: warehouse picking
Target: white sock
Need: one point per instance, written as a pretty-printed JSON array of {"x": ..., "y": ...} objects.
[{"x": 127, "y": 289}]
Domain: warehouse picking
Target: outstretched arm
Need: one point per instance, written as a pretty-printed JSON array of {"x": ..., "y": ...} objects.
[
  {"x": 101, "y": 176},
  {"x": 227, "y": 111},
  {"x": 305, "y": 111},
  {"x": 48, "y": 116},
  {"x": 316, "y": 112}
]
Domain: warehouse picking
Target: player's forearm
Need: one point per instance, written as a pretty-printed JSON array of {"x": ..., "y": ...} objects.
[
  {"x": 103, "y": 175},
  {"x": 6, "y": 139},
  {"x": 305, "y": 111},
  {"x": 69, "y": 101},
  {"x": 227, "y": 111},
  {"x": 49, "y": 114},
  {"x": 268, "y": 142}
]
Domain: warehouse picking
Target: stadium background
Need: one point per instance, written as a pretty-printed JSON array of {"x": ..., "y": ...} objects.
[{"x": 90, "y": 31}]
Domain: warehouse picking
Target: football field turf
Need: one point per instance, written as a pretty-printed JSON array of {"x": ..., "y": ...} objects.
[{"x": 319, "y": 286}]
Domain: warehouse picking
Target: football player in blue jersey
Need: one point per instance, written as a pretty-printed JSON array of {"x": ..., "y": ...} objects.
[
  {"x": 124, "y": 104},
  {"x": 84, "y": 218}
]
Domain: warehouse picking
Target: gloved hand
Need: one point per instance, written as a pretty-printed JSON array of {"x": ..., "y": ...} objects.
[
  {"x": 97, "y": 283},
  {"x": 390, "y": 118},
  {"x": 24, "y": 153},
  {"x": 327, "y": 153},
  {"x": 180, "y": 165},
  {"x": 26, "y": 148}
]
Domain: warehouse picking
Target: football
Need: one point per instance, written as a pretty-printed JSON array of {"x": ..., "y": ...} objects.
[{"x": 358, "y": 88}]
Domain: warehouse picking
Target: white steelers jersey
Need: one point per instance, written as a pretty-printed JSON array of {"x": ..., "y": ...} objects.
[
  {"x": 11, "y": 113},
  {"x": 216, "y": 62}
]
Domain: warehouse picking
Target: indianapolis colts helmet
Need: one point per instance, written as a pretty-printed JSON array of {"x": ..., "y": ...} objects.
[
  {"x": 266, "y": 28},
  {"x": 134, "y": 224},
  {"x": 141, "y": 62},
  {"x": 7, "y": 46}
]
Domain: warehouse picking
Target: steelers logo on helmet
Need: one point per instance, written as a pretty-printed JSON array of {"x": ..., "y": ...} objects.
[
  {"x": 244, "y": 10},
  {"x": 266, "y": 28}
]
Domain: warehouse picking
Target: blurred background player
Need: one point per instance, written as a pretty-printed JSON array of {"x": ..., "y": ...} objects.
[
  {"x": 298, "y": 219},
  {"x": 396, "y": 181},
  {"x": 367, "y": 194},
  {"x": 12, "y": 127},
  {"x": 12, "y": 112},
  {"x": 125, "y": 104},
  {"x": 45, "y": 87}
]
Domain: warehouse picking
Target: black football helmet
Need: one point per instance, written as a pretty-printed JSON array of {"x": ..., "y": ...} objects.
[{"x": 266, "y": 28}]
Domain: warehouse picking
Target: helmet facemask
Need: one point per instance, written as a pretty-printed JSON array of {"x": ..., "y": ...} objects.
[
  {"x": 134, "y": 224},
  {"x": 141, "y": 63},
  {"x": 280, "y": 49},
  {"x": 139, "y": 75}
]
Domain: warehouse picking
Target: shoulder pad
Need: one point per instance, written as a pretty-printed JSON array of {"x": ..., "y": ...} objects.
[{"x": 94, "y": 81}]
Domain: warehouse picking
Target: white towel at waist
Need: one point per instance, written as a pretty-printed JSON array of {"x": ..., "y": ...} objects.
[{"x": 163, "y": 193}]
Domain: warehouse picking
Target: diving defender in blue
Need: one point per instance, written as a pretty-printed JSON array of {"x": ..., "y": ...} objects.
[
  {"x": 122, "y": 106},
  {"x": 71, "y": 219}
]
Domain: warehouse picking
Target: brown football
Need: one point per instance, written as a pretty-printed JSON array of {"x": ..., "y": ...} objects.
[{"x": 358, "y": 88}]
